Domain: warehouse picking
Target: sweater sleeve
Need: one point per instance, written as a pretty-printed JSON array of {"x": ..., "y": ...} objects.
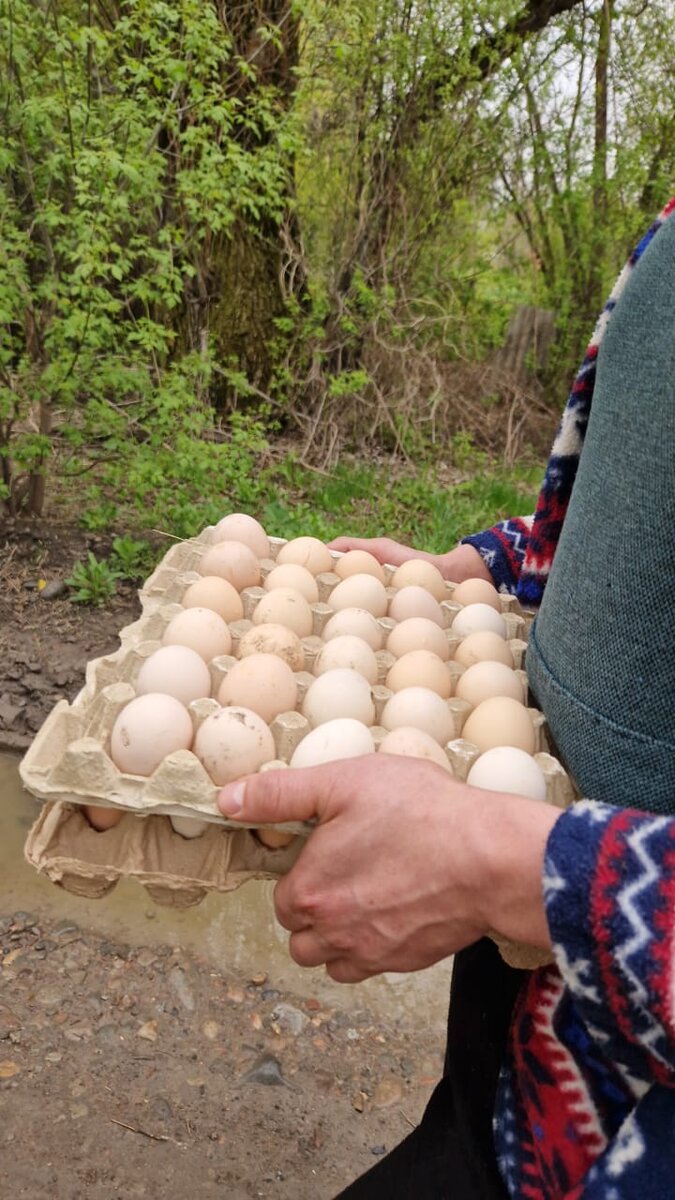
[
  {"x": 609, "y": 889},
  {"x": 502, "y": 549}
]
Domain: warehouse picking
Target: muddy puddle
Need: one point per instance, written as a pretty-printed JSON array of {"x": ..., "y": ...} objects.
[{"x": 237, "y": 931}]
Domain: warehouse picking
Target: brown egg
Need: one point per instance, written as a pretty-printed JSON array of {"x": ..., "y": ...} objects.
[
  {"x": 420, "y": 668},
  {"x": 420, "y": 573},
  {"x": 413, "y": 601},
  {"x": 414, "y": 743},
  {"x": 484, "y": 645},
  {"x": 360, "y": 591},
  {"x": 308, "y": 552},
  {"x": 102, "y": 818},
  {"x": 232, "y": 561},
  {"x": 240, "y": 527},
  {"x": 262, "y": 682},
  {"x": 290, "y": 575},
  {"x": 476, "y": 591},
  {"x": 217, "y": 594},
  {"x": 233, "y": 742},
  {"x": 273, "y": 639},
  {"x": 358, "y": 562},
  {"x": 287, "y": 607},
  {"x": 202, "y": 630},
  {"x": 418, "y": 633},
  {"x": 486, "y": 679},
  {"x": 500, "y": 721}
]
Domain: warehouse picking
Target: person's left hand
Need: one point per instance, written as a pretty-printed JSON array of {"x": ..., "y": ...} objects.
[{"x": 398, "y": 870}]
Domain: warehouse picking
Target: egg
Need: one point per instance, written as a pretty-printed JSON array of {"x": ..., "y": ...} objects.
[
  {"x": 477, "y": 591},
  {"x": 507, "y": 769},
  {"x": 420, "y": 668},
  {"x": 358, "y": 562},
  {"x": 500, "y": 721},
  {"x": 341, "y": 738},
  {"x": 422, "y": 709},
  {"x": 273, "y": 839},
  {"x": 232, "y": 561},
  {"x": 188, "y": 827},
  {"x": 479, "y": 647},
  {"x": 413, "y": 601},
  {"x": 102, "y": 819},
  {"x": 360, "y": 591},
  {"x": 476, "y": 618},
  {"x": 287, "y": 607},
  {"x": 485, "y": 679},
  {"x": 217, "y": 594},
  {"x": 262, "y": 682},
  {"x": 273, "y": 639},
  {"x": 341, "y": 692},
  {"x": 308, "y": 552},
  {"x": 290, "y": 575},
  {"x": 233, "y": 742},
  {"x": 414, "y": 743},
  {"x": 146, "y": 730},
  {"x": 418, "y": 572},
  {"x": 240, "y": 527},
  {"x": 346, "y": 651},
  {"x": 202, "y": 630},
  {"x": 176, "y": 671},
  {"x": 355, "y": 622},
  {"x": 418, "y": 633}
]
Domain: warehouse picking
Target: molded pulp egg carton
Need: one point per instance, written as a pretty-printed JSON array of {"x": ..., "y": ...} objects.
[{"x": 68, "y": 764}]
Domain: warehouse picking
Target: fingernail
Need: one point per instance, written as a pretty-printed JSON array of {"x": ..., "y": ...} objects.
[{"x": 231, "y": 799}]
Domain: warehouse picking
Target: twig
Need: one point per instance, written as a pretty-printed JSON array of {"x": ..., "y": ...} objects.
[
  {"x": 156, "y": 1137},
  {"x": 407, "y": 1118}
]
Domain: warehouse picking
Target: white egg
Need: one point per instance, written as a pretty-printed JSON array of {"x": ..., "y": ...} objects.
[
  {"x": 478, "y": 647},
  {"x": 176, "y": 671},
  {"x": 232, "y": 561},
  {"x": 261, "y": 682},
  {"x": 308, "y": 552},
  {"x": 418, "y": 633},
  {"x": 188, "y": 827},
  {"x": 476, "y": 618},
  {"x": 414, "y": 743},
  {"x": 240, "y": 527},
  {"x": 485, "y": 679},
  {"x": 360, "y": 591},
  {"x": 341, "y": 692},
  {"x": 346, "y": 651},
  {"x": 477, "y": 591},
  {"x": 413, "y": 601},
  {"x": 421, "y": 708},
  {"x": 355, "y": 622},
  {"x": 202, "y": 630},
  {"x": 233, "y": 742},
  {"x": 342, "y": 738},
  {"x": 146, "y": 730},
  {"x": 284, "y": 606},
  {"x": 508, "y": 769}
]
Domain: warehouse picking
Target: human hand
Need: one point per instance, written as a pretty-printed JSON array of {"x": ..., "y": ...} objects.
[
  {"x": 405, "y": 865},
  {"x": 464, "y": 562}
]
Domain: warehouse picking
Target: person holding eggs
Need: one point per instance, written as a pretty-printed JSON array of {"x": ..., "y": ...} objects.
[{"x": 560, "y": 1082}]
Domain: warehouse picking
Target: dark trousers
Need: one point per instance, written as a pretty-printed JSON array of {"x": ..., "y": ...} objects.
[{"x": 450, "y": 1155}]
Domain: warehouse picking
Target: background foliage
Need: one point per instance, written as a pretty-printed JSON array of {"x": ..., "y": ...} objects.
[{"x": 221, "y": 225}]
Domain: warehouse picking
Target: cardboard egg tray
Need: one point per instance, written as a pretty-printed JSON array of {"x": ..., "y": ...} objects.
[{"x": 68, "y": 764}]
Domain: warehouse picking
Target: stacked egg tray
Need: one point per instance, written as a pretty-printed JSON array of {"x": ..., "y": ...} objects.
[{"x": 68, "y": 764}]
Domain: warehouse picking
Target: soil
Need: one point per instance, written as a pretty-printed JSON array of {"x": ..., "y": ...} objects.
[{"x": 145, "y": 1071}]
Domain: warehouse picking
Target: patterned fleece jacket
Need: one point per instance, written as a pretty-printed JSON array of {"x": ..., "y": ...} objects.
[{"x": 586, "y": 1102}]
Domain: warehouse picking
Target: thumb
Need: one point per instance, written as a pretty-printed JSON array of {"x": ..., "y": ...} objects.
[{"x": 273, "y": 797}]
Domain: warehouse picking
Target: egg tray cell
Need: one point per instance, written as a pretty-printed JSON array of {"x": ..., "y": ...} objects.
[{"x": 68, "y": 760}]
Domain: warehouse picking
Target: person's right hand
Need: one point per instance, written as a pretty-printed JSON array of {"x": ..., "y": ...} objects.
[{"x": 464, "y": 562}]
